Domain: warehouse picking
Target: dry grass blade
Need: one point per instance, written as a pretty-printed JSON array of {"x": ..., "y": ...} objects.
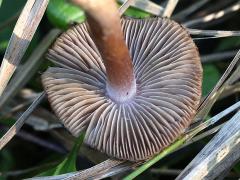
[
  {"x": 147, "y": 6},
  {"x": 213, "y": 120},
  {"x": 92, "y": 172},
  {"x": 16, "y": 109},
  {"x": 125, "y": 6},
  {"x": 229, "y": 90},
  {"x": 19, "y": 123},
  {"x": 206, "y": 105},
  {"x": 213, "y": 33},
  {"x": 218, "y": 56},
  {"x": 191, "y": 9},
  {"x": 39, "y": 123},
  {"x": 20, "y": 39},
  {"x": 211, "y": 37},
  {"x": 234, "y": 77},
  {"x": 29, "y": 68},
  {"x": 175, "y": 172},
  {"x": 85, "y": 174},
  {"x": 171, "y": 5},
  {"x": 219, "y": 154},
  {"x": 213, "y": 16},
  {"x": 117, "y": 170},
  {"x": 203, "y": 135},
  {"x": 15, "y": 173},
  {"x": 105, "y": 169},
  {"x": 45, "y": 143}
]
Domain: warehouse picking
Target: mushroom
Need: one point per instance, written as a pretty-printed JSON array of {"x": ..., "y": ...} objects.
[{"x": 132, "y": 85}]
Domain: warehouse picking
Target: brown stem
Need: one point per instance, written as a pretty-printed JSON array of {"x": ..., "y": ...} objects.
[{"x": 104, "y": 22}]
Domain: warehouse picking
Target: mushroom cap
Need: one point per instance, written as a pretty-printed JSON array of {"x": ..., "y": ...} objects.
[{"x": 168, "y": 75}]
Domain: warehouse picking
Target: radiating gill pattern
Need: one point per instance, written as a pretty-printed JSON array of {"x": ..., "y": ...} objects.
[{"x": 168, "y": 74}]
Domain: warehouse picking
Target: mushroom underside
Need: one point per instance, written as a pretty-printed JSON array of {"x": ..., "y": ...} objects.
[{"x": 168, "y": 75}]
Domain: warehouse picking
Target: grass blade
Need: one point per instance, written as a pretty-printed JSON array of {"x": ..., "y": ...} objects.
[
  {"x": 206, "y": 105},
  {"x": 19, "y": 123},
  {"x": 218, "y": 155},
  {"x": 29, "y": 68},
  {"x": 22, "y": 34},
  {"x": 171, "y": 5},
  {"x": 125, "y": 6},
  {"x": 191, "y": 9},
  {"x": 213, "y": 16},
  {"x": 216, "y": 33},
  {"x": 85, "y": 174},
  {"x": 147, "y": 6},
  {"x": 218, "y": 56}
]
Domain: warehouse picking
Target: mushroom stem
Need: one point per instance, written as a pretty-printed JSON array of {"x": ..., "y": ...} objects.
[{"x": 104, "y": 23}]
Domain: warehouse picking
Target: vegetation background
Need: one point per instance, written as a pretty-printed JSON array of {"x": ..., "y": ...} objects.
[{"x": 43, "y": 146}]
